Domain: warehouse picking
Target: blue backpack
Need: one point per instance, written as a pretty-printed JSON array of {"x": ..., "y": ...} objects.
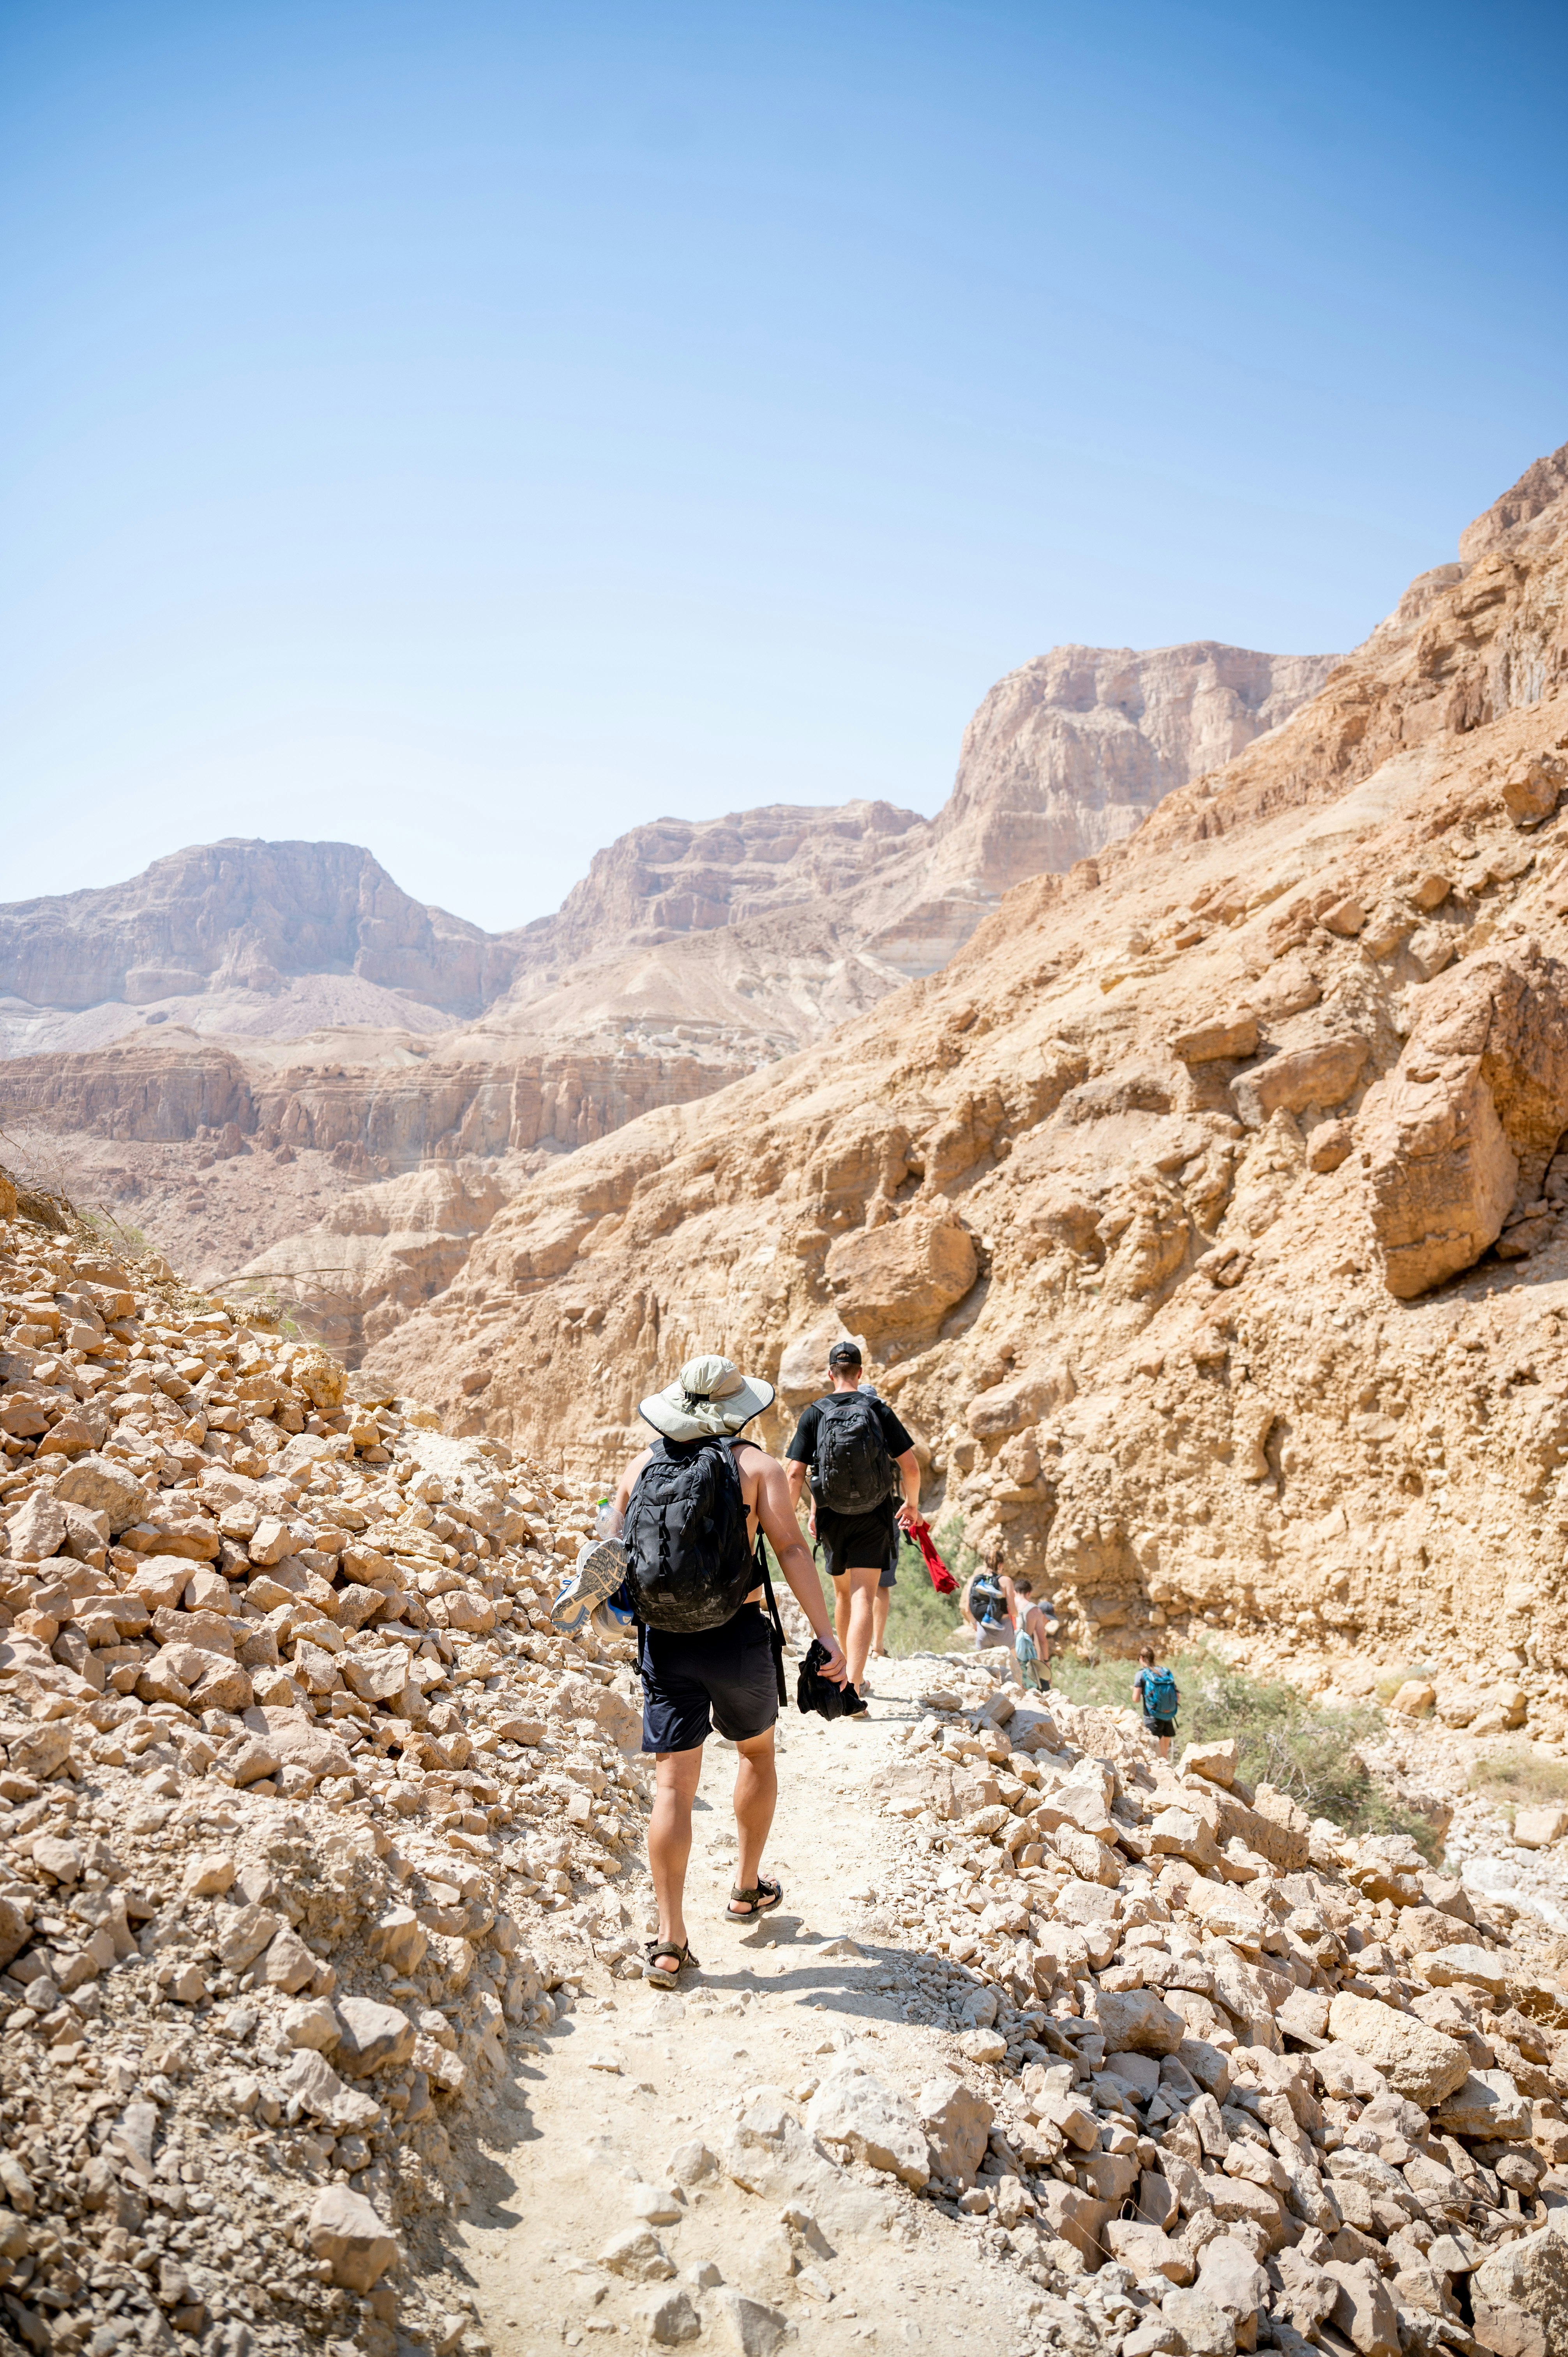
[{"x": 1159, "y": 1694}]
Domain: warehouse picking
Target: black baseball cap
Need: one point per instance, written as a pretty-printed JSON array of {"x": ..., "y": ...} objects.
[{"x": 844, "y": 1354}]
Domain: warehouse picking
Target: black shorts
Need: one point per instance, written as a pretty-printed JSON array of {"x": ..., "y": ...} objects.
[
  {"x": 858, "y": 1542},
  {"x": 706, "y": 1678},
  {"x": 1160, "y": 1727}
]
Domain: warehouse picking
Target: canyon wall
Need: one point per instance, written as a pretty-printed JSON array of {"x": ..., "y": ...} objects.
[{"x": 1202, "y": 1216}]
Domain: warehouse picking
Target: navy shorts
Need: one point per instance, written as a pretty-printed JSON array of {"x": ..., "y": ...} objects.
[
  {"x": 708, "y": 1678},
  {"x": 1160, "y": 1727},
  {"x": 856, "y": 1541}
]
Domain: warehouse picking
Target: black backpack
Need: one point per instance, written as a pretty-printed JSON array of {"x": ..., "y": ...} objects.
[
  {"x": 853, "y": 1473},
  {"x": 688, "y": 1560}
]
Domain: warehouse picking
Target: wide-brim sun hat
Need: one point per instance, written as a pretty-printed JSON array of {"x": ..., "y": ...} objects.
[{"x": 711, "y": 1400}]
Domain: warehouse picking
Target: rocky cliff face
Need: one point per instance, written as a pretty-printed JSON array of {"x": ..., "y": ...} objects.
[
  {"x": 676, "y": 876},
  {"x": 1202, "y": 1215},
  {"x": 1066, "y": 755}
]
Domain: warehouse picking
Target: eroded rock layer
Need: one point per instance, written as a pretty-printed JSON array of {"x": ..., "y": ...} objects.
[{"x": 1202, "y": 1215}]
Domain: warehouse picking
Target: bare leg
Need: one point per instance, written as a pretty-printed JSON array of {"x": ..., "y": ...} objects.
[
  {"x": 861, "y": 1580},
  {"x": 669, "y": 1836},
  {"x": 841, "y": 1609},
  {"x": 756, "y": 1794},
  {"x": 879, "y": 1608},
  {"x": 1165, "y": 1747}
]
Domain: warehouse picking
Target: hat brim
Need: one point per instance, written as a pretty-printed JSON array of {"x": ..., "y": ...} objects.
[{"x": 719, "y": 1419}]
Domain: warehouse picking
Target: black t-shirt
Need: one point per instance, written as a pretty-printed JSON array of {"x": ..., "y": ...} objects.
[{"x": 803, "y": 1448}]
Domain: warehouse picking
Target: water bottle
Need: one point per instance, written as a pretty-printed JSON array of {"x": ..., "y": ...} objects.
[{"x": 607, "y": 1519}]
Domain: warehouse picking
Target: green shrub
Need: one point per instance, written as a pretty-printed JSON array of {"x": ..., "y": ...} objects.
[{"x": 1281, "y": 1738}]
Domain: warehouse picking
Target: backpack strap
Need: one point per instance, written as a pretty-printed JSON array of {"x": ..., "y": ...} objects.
[{"x": 776, "y": 1626}]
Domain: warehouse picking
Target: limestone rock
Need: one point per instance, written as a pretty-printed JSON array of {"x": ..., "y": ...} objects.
[
  {"x": 903, "y": 1277},
  {"x": 957, "y": 2123},
  {"x": 1520, "y": 2297},
  {"x": 373, "y": 2036},
  {"x": 1416, "y": 2061},
  {"x": 1484, "y": 2103},
  {"x": 638, "y": 2254},
  {"x": 853, "y": 2110},
  {"x": 344, "y": 2229}
]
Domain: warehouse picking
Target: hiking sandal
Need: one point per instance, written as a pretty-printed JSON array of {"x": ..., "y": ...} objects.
[
  {"x": 761, "y": 1900},
  {"x": 664, "y": 1978}
]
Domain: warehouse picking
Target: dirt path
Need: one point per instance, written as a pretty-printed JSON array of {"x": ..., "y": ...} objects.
[{"x": 629, "y": 2078}]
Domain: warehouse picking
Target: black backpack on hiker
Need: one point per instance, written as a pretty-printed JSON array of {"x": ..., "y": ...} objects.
[
  {"x": 853, "y": 1473},
  {"x": 689, "y": 1561}
]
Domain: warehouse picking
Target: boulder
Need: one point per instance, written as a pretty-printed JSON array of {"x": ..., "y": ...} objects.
[
  {"x": 1231, "y": 2280},
  {"x": 1220, "y": 1039},
  {"x": 749, "y": 2326},
  {"x": 316, "y": 2087},
  {"x": 1202, "y": 2329},
  {"x": 1442, "y": 1173},
  {"x": 1214, "y": 1760},
  {"x": 1465, "y": 1964},
  {"x": 1321, "y": 1074},
  {"x": 288, "y": 1963},
  {"x": 1075, "y": 2217},
  {"x": 855, "y": 2111},
  {"x": 1416, "y": 2061},
  {"x": 1147, "y": 2251},
  {"x": 1137, "y": 2021},
  {"x": 1364, "y": 2309},
  {"x": 1486, "y": 2104},
  {"x": 1539, "y": 1828},
  {"x": 345, "y": 2230},
  {"x": 957, "y": 2123},
  {"x": 374, "y": 2037},
  {"x": 903, "y": 1276},
  {"x": 104, "y": 1488},
  {"x": 1519, "y": 2296},
  {"x": 638, "y": 2254}
]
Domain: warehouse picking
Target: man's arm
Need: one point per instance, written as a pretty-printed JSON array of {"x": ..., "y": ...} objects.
[
  {"x": 624, "y": 1486},
  {"x": 776, "y": 1512},
  {"x": 908, "y": 1465}
]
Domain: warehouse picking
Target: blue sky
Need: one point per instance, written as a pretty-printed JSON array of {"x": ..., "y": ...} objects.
[{"x": 469, "y": 430}]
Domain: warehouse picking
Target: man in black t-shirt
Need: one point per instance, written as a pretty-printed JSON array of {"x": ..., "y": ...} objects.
[{"x": 859, "y": 1548}]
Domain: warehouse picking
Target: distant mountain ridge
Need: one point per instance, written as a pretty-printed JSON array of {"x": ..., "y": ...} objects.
[{"x": 288, "y": 1018}]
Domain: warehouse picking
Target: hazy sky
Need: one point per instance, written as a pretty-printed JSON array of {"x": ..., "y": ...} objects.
[{"x": 468, "y": 429}]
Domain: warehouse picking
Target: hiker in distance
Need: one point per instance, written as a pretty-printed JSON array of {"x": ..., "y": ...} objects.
[
  {"x": 860, "y": 1458},
  {"x": 990, "y": 1604},
  {"x": 1159, "y": 1698},
  {"x": 689, "y": 1509}
]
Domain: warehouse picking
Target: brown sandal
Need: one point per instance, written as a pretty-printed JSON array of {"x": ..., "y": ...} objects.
[
  {"x": 664, "y": 1978},
  {"x": 761, "y": 1900}
]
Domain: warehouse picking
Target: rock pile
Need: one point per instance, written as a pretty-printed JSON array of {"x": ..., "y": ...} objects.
[
  {"x": 1230, "y": 2079},
  {"x": 303, "y": 1812}
]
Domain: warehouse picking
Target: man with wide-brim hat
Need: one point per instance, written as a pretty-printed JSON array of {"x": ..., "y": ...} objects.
[{"x": 698, "y": 1677}]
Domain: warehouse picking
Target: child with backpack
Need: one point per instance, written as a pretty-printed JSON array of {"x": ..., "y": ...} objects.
[
  {"x": 990, "y": 1604},
  {"x": 1032, "y": 1645},
  {"x": 1159, "y": 1698}
]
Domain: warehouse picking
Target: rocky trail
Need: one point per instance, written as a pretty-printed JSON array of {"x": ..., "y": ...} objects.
[
  {"x": 322, "y": 1896},
  {"x": 610, "y": 2205}
]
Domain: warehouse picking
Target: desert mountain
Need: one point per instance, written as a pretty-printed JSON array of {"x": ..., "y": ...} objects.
[
  {"x": 1064, "y": 755},
  {"x": 225, "y": 1049},
  {"x": 1201, "y": 1215}
]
